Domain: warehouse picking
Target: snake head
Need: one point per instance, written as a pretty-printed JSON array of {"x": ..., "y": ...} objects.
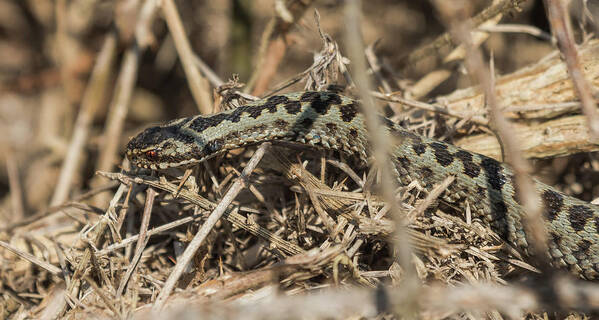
[{"x": 158, "y": 147}]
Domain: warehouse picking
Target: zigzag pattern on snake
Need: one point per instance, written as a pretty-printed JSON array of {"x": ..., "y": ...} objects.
[{"x": 329, "y": 120}]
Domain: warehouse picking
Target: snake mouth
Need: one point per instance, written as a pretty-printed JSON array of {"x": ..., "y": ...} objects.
[
  {"x": 137, "y": 159},
  {"x": 143, "y": 159}
]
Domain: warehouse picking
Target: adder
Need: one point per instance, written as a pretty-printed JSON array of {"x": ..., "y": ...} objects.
[{"x": 332, "y": 121}]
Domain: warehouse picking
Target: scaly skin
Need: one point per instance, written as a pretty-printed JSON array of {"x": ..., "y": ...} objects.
[{"x": 332, "y": 121}]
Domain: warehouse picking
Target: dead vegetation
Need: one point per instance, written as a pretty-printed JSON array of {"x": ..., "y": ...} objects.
[{"x": 281, "y": 231}]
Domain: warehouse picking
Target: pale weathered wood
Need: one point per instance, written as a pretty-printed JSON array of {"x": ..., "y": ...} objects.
[
  {"x": 559, "y": 137},
  {"x": 544, "y": 83},
  {"x": 540, "y": 99}
]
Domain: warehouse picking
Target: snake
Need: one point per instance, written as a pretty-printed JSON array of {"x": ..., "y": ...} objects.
[{"x": 328, "y": 120}]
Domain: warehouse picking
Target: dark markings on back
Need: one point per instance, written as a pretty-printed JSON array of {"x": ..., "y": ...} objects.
[
  {"x": 583, "y": 249},
  {"x": 293, "y": 107},
  {"x": 254, "y": 111},
  {"x": 471, "y": 169},
  {"x": 272, "y": 102},
  {"x": 553, "y": 203},
  {"x": 348, "y": 111},
  {"x": 498, "y": 214},
  {"x": 419, "y": 148},
  {"x": 578, "y": 215},
  {"x": 442, "y": 155},
  {"x": 202, "y": 123},
  {"x": 235, "y": 116},
  {"x": 404, "y": 162},
  {"x": 498, "y": 209},
  {"x": 493, "y": 171},
  {"x": 323, "y": 101},
  {"x": 353, "y": 132},
  {"x": 309, "y": 96}
]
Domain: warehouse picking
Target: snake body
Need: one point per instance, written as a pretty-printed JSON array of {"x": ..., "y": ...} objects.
[{"x": 329, "y": 120}]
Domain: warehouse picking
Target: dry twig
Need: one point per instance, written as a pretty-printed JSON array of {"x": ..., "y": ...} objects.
[
  {"x": 198, "y": 239},
  {"x": 560, "y": 25},
  {"x": 198, "y": 85},
  {"x": 90, "y": 103},
  {"x": 379, "y": 141}
]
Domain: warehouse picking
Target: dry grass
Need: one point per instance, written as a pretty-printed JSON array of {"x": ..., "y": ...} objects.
[{"x": 281, "y": 231}]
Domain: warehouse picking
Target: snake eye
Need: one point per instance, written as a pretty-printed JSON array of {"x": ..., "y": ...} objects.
[{"x": 151, "y": 154}]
